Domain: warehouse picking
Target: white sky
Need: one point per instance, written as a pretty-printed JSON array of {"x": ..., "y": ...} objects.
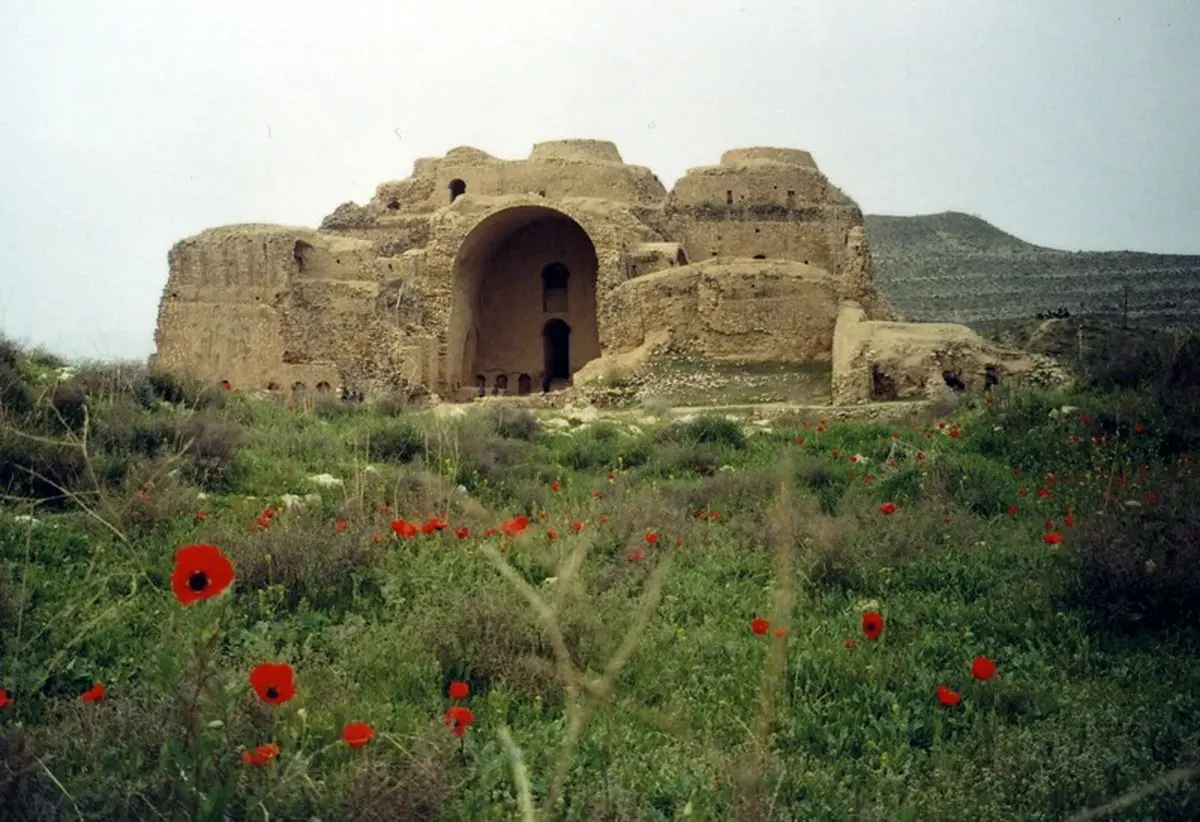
[{"x": 126, "y": 126}]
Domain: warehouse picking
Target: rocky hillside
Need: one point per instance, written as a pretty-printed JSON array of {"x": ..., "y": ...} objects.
[{"x": 959, "y": 268}]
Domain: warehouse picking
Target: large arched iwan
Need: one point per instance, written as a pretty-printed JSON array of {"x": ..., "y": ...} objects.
[{"x": 500, "y": 305}]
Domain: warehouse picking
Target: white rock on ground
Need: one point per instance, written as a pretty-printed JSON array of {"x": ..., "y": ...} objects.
[{"x": 326, "y": 481}]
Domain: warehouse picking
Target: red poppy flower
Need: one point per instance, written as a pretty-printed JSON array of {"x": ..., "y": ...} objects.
[
  {"x": 983, "y": 668},
  {"x": 434, "y": 524},
  {"x": 780, "y": 632},
  {"x": 554, "y": 486},
  {"x": 1012, "y": 510},
  {"x": 458, "y": 719},
  {"x": 462, "y": 532},
  {"x": 261, "y": 755},
  {"x": 947, "y": 519},
  {"x": 948, "y": 697},
  {"x": 837, "y": 452},
  {"x": 596, "y": 494},
  {"x": 941, "y": 425},
  {"x": 458, "y": 690},
  {"x": 377, "y": 538},
  {"x": 820, "y": 429},
  {"x": 1043, "y": 493},
  {"x": 93, "y": 694},
  {"x": 341, "y": 525},
  {"x": 850, "y": 643},
  {"x": 887, "y": 509},
  {"x": 1049, "y": 525},
  {"x": 895, "y": 435},
  {"x": 799, "y": 440},
  {"x": 5, "y": 699},
  {"x": 201, "y": 572},
  {"x": 807, "y": 424},
  {"x": 954, "y": 433},
  {"x": 383, "y": 509},
  {"x": 920, "y": 455},
  {"x": 1053, "y": 538},
  {"x": 872, "y": 624},
  {"x": 713, "y": 516},
  {"x": 404, "y": 529},
  {"x": 651, "y": 537},
  {"x": 1139, "y": 428},
  {"x": 201, "y": 516},
  {"x": 611, "y": 476},
  {"x": 515, "y": 526},
  {"x": 491, "y": 532},
  {"x": 868, "y": 479},
  {"x": 551, "y": 533},
  {"x": 1022, "y": 491},
  {"x": 576, "y": 526},
  {"x": 853, "y": 459},
  {"x": 274, "y": 682},
  {"x": 357, "y": 734},
  {"x": 679, "y": 542},
  {"x": 1068, "y": 520},
  {"x": 260, "y": 522},
  {"x": 637, "y": 555},
  {"x": 759, "y": 626}
]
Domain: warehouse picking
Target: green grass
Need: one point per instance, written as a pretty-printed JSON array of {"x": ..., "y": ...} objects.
[{"x": 1098, "y": 683}]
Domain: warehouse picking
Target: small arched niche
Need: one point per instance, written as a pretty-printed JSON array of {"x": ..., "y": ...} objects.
[
  {"x": 524, "y": 385},
  {"x": 457, "y": 189},
  {"x": 554, "y": 288}
]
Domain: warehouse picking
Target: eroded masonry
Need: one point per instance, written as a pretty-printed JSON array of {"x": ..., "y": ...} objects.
[{"x": 481, "y": 274}]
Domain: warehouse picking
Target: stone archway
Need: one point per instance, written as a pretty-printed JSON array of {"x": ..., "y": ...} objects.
[{"x": 499, "y": 303}]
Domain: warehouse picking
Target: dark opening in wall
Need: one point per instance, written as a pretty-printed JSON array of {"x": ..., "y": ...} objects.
[
  {"x": 728, "y": 198},
  {"x": 760, "y": 256},
  {"x": 791, "y": 199},
  {"x": 542, "y": 193},
  {"x": 633, "y": 270},
  {"x": 298, "y": 387},
  {"x": 882, "y": 386},
  {"x": 300, "y": 254},
  {"x": 991, "y": 377},
  {"x": 501, "y": 385},
  {"x": 524, "y": 385},
  {"x": 272, "y": 386},
  {"x": 756, "y": 230},
  {"x": 323, "y": 387},
  {"x": 457, "y": 189},
  {"x": 554, "y": 288},
  {"x": 480, "y": 385},
  {"x": 394, "y": 205},
  {"x": 954, "y": 380}
]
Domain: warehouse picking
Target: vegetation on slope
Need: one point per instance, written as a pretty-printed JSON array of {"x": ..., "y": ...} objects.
[
  {"x": 622, "y": 619},
  {"x": 955, "y": 267}
]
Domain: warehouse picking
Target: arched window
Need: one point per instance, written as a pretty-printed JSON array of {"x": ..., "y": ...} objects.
[
  {"x": 524, "y": 385},
  {"x": 501, "y": 383},
  {"x": 554, "y": 288},
  {"x": 457, "y": 189},
  {"x": 323, "y": 386}
]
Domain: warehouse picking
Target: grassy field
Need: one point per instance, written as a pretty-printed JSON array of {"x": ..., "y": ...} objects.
[{"x": 601, "y": 590}]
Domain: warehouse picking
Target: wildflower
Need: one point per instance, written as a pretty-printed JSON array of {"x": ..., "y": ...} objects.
[
  {"x": 458, "y": 690},
  {"x": 983, "y": 668},
  {"x": 554, "y": 486},
  {"x": 713, "y": 516},
  {"x": 759, "y": 626},
  {"x": 378, "y": 538},
  {"x": 637, "y": 555},
  {"x": 948, "y": 697},
  {"x": 341, "y": 525},
  {"x": 611, "y": 476},
  {"x": 274, "y": 682},
  {"x": 837, "y": 452},
  {"x": 799, "y": 440},
  {"x": 1068, "y": 520},
  {"x": 576, "y": 526},
  {"x": 679, "y": 542},
  {"x": 404, "y": 529},
  {"x": 1022, "y": 492},
  {"x": 491, "y": 532},
  {"x": 551, "y": 533},
  {"x": 462, "y": 532},
  {"x": 596, "y": 494},
  {"x": 872, "y": 624},
  {"x": 385, "y": 510},
  {"x": 947, "y": 519},
  {"x": 887, "y": 509},
  {"x": 261, "y": 755},
  {"x": 920, "y": 455},
  {"x": 227, "y": 385},
  {"x": 1043, "y": 493},
  {"x": 651, "y": 537},
  {"x": 1049, "y": 525},
  {"x": 1139, "y": 428},
  {"x": 201, "y": 572},
  {"x": 459, "y": 719},
  {"x": 93, "y": 694},
  {"x": 515, "y": 526},
  {"x": 5, "y": 699},
  {"x": 1052, "y": 538},
  {"x": 1012, "y": 510},
  {"x": 201, "y": 516},
  {"x": 820, "y": 429},
  {"x": 868, "y": 479},
  {"x": 434, "y": 524},
  {"x": 954, "y": 433},
  {"x": 780, "y": 632},
  {"x": 850, "y": 643},
  {"x": 357, "y": 734}
]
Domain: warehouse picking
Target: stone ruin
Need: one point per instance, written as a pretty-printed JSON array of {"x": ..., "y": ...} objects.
[{"x": 482, "y": 275}]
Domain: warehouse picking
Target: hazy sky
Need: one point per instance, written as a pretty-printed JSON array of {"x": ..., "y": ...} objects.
[{"x": 126, "y": 126}]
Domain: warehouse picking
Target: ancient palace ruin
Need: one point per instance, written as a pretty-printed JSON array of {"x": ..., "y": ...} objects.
[{"x": 481, "y": 273}]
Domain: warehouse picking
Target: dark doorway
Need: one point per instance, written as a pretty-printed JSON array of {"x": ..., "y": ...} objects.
[
  {"x": 556, "y": 337},
  {"x": 457, "y": 189},
  {"x": 524, "y": 384}
]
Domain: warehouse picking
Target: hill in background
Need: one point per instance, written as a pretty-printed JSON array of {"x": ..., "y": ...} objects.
[{"x": 955, "y": 267}]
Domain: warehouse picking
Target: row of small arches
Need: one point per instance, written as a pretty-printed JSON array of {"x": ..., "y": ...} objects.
[{"x": 499, "y": 385}]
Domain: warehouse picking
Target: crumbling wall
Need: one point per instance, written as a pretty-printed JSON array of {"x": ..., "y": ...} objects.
[
  {"x": 882, "y": 360},
  {"x": 730, "y": 309}
]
